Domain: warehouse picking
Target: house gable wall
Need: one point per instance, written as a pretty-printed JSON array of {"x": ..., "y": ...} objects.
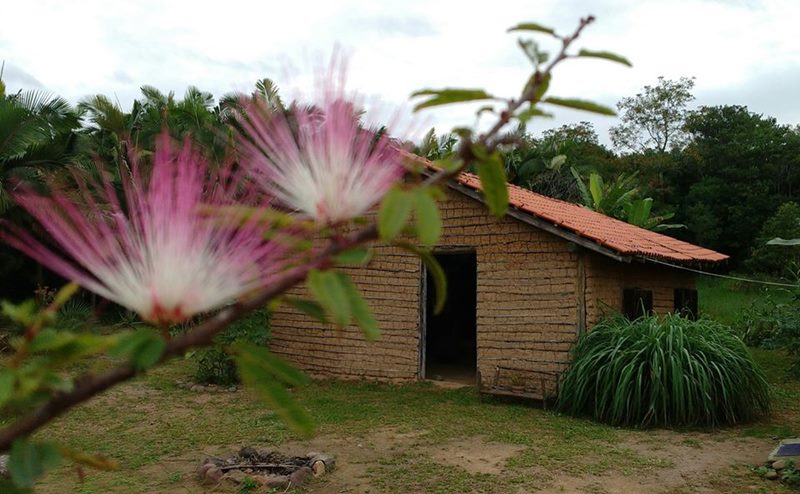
[
  {"x": 529, "y": 303},
  {"x": 606, "y": 280},
  {"x": 526, "y": 303}
]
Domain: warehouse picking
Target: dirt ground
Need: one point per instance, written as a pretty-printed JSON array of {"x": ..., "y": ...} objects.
[{"x": 686, "y": 463}]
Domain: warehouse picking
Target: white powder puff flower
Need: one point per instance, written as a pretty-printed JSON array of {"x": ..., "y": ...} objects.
[{"x": 155, "y": 254}]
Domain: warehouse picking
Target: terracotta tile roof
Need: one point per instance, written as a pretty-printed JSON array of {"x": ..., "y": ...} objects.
[{"x": 622, "y": 237}]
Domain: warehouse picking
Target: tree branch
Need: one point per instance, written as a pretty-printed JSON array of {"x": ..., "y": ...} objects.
[{"x": 89, "y": 385}]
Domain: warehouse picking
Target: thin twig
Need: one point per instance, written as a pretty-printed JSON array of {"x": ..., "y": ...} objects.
[
  {"x": 242, "y": 466},
  {"x": 88, "y": 385},
  {"x": 530, "y": 90}
]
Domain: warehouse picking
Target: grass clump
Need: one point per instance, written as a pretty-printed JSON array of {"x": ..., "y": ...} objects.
[
  {"x": 214, "y": 365},
  {"x": 663, "y": 370}
]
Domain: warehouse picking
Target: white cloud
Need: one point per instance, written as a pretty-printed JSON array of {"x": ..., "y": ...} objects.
[{"x": 79, "y": 48}]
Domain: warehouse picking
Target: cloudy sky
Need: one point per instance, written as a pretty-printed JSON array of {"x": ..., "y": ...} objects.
[{"x": 740, "y": 51}]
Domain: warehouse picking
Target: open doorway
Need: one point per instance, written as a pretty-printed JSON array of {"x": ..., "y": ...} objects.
[{"x": 451, "y": 344}]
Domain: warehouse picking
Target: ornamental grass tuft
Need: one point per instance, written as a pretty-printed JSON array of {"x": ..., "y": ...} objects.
[{"x": 663, "y": 371}]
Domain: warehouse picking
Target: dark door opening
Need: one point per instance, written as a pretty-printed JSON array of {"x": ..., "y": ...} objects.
[{"x": 451, "y": 343}]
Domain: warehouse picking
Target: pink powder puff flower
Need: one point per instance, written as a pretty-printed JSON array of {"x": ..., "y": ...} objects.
[
  {"x": 157, "y": 254},
  {"x": 318, "y": 161}
]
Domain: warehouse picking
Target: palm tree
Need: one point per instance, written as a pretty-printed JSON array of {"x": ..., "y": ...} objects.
[{"x": 37, "y": 131}]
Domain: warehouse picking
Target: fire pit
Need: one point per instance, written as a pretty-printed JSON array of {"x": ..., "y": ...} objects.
[{"x": 266, "y": 468}]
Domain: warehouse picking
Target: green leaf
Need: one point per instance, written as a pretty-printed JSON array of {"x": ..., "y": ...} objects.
[
  {"x": 394, "y": 213},
  {"x": 308, "y": 307},
  {"x": 24, "y": 313},
  {"x": 607, "y": 55},
  {"x": 579, "y": 104},
  {"x": 541, "y": 88},
  {"x": 143, "y": 348},
  {"x": 330, "y": 293},
  {"x": 358, "y": 256},
  {"x": 28, "y": 461},
  {"x": 484, "y": 109},
  {"x": 257, "y": 369},
  {"x": 428, "y": 219},
  {"x": 50, "y": 339},
  {"x": 448, "y": 96},
  {"x": 557, "y": 162},
  {"x": 8, "y": 487},
  {"x": 435, "y": 270},
  {"x": 493, "y": 183},
  {"x": 532, "y": 26},
  {"x": 282, "y": 370},
  {"x": 64, "y": 294},
  {"x": 531, "y": 51},
  {"x": 448, "y": 164},
  {"x": 6, "y": 386},
  {"x": 242, "y": 215},
  {"x": 63, "y": 346},
  {"x": 531, "y": 112},
  {"x": 98, "y": 461},
  {"x": 783, "y": 241},
  {"x": 361, "y": 311}
]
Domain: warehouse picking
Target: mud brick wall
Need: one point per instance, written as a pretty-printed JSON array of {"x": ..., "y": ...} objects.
[
  {"x": 529, "y": 302},
  {"x": 606, "y": 279},
  {"x": 526, "y": 304}
]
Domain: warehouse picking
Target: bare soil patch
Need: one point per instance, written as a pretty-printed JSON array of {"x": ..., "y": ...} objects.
[
  {"x": 475, "y": 455},
  {"x": 697, "y": 463}
]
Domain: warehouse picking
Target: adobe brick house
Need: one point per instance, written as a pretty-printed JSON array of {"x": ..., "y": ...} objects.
[{"x": 521, "y": 290}]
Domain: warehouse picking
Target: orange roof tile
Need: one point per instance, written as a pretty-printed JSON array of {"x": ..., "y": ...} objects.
[{"x": 609, "y": 232}]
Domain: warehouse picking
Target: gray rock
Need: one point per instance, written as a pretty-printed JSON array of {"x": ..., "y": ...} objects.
[
  {"x": 300, "y": 476},
  {"x": 214, "y": 475},
  {"x": 215, "y": 461},
  {"x": 780, "y": 464},
  {"x": 235, "y": 477},
  {"x": 202, "y": 469},
  {"x": 275, "y": 481},
  {"x": 319, "y": 468},
  {"x": 247, "y": 452},
  {"x": 329, "y": 460},
  {"x": 771, "y": 475},
  {"x": 196, "y": 388},
  {"x": 4, "y": 466}
]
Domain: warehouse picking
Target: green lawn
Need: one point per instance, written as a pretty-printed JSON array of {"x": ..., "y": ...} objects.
[
  {"x": 411, "y": 438},
  {"x": 725, "y": 300},
  {"x": 419, "y": 438}
]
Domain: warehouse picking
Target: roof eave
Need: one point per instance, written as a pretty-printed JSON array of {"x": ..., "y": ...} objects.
[{"x": 547, "y": 226}]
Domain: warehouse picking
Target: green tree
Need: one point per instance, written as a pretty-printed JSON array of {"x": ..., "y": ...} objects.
[
  {"x": 435, "y": 147},
  {"x": 737, "y": 170},
  {"x": 778, "y": 260},
  {"x": 543, "y": 163},
  {"x": 37, "y": 132},
  {"x": 654, "y": 118},
  {"x": 609, "y": 198},
  {"x": 619, "y": 198}
]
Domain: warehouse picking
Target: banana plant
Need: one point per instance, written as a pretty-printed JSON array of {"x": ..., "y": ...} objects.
[
  {"x": 618, "y": 199},
  {"x": 607, "y": 198},
  {"x": 638, "y": 213}
]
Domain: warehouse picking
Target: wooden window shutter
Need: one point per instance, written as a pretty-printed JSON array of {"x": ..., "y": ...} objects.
[
  {"x": 686, "y": 302},
  {"x": 637, "y": 303}
]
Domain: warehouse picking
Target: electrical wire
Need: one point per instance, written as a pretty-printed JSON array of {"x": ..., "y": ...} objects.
[{"x": 737, "y": 278}]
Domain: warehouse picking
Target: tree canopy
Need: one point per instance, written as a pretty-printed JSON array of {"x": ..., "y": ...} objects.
[{"x": 654, "y": 118}]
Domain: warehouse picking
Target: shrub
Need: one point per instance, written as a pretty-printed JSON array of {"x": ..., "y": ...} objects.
[
  {"x": 214, "y": 365},
  {"x": 770, "y": 324},
  {"x": 774, "y": 259},
  {"x": 663, "y": 371},
  {"x": 75, "y": 315}
]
